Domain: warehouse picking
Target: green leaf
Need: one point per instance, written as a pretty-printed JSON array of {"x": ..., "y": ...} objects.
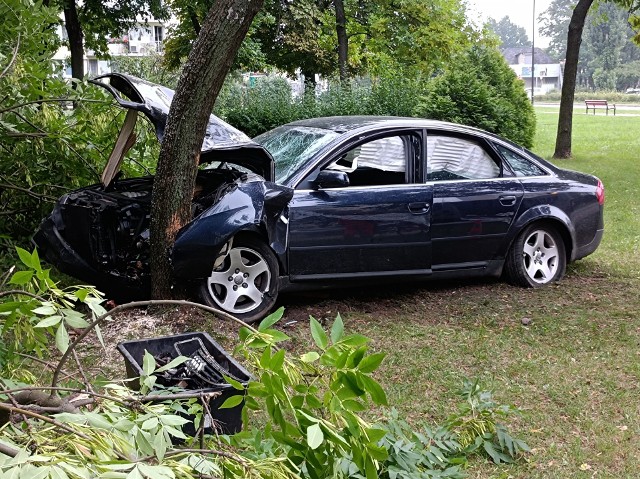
[
  {"x": 314, "y": 436},
  {"x": 172, "y": 364},
  {"x": 309, "y": 357},
  {"x": 232, "y": 401},
  {"x": 276, "y": 335},
  {"x": 35, "y": 260},
  {"x": 375, "y": 391},
  {"x": 25, "y": 257},
  {"x": 337, "y": 329},
  {"x": 353, "y": 405},
  {"x": 76, "y": 321},
  {"x": 148, "y": 363},
  {"x": 318, "y": 334},
  {"x": 50, "y": 321},
  {"x": 236, "y": 384},
  {"x": 21, "y": 278},
  {"x": 375, "y": 434},
  {"x": 45, "y": 310},
  {"x": 172, "y": 420},
  {"x": 98, "y": 331},
  {"x": 354, "y": 340},
  {"x": 150, "y": 423},
  {"x": 62, "y": 338},
  {"x": 277, "y": 360},
  {"x": 496, "y": 456},
  {"x": 270, "y": 320},
  {"x": 370, "y": 363}
]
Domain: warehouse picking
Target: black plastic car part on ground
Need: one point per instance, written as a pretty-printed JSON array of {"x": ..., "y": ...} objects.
[
  {"x": 204, "y": 371},
  {"x": 346, "y": 200}
]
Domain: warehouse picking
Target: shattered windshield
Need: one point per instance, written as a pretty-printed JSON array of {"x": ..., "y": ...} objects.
[{"x": 292, "y": 146}]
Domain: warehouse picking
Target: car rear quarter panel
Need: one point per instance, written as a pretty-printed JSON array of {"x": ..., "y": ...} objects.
[{"x": 571, "y": 204}]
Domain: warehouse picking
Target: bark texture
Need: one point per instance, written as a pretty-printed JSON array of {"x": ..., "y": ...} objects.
[
  {"x": 76, "y": 39},
  {"x": 574, "y": 39},
  {"x": 343, "y": 40},
  {"x": 209, "y": 62}
]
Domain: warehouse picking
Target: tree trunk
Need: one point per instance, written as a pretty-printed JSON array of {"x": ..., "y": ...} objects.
[
  {"x": 209, "y": 62},
  {"x": 343, "y": 40},
  {"x": 574, "y": 39},
  {"x": 76, "y": 39}
]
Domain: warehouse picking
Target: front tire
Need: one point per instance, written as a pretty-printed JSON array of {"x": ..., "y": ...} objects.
[
  {"x": 245, "y": 284},
  {"x": 537, "y": 257}
]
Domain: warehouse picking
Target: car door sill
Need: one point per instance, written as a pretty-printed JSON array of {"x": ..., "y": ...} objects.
[{"x": 368, "y": 274}]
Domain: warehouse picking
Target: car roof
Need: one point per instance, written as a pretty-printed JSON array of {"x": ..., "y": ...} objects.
[{"x": 342, "y": 124}]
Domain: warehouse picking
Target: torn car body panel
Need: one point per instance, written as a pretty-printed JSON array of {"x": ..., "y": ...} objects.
[
  {"x": 222, "y": 142},
  {"x": 251, "y": 206}
]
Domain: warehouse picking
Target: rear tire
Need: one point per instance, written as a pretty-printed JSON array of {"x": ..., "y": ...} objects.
[
  {"x": 245, "y": 284},
  {"x": 537, "y": 257}
]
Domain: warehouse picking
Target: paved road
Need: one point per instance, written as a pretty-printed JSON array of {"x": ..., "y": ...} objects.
[{"x": 623, "y": 109}]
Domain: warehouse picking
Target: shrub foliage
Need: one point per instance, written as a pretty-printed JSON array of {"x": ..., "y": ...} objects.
[{"x": 479, "y": 89}]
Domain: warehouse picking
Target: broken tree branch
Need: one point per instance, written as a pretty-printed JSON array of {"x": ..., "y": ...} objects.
[{"x": 13, "y": 57}]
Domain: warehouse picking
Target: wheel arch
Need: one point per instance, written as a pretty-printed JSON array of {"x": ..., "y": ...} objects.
[{"x": 549, "y": 215}]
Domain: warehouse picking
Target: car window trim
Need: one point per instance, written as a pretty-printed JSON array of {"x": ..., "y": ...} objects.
[
  {"x": 494, "y": 144},
  {"x": 360, "y": 136}
]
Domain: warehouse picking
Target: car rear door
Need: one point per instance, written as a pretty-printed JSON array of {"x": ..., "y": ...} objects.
[
  {"x": 378, "y": 225},
  {"x": 475, "y": 200}
]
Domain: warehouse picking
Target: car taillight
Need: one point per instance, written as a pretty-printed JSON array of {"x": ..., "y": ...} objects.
[{"x": 600, "y": 192}]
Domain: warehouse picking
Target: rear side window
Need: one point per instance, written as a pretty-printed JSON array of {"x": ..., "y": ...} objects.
[
  {"x": 520, "y": 165},
  {"x": 452, "y": 158}
]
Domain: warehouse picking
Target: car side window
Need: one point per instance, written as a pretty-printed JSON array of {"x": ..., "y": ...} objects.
[
  {"x": 453, "y": 158},
  {"x": 520, "y": 165},
  {"x": 378, "y": 162}
]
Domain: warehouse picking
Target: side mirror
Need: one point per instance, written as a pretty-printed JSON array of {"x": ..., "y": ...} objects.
[{"x": 331, "y": 179}]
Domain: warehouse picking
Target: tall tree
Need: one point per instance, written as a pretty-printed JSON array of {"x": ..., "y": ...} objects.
[
  {"x": 343, "y": 39},
  {"x": 605, "y": 35},
  {"x": 554, "y": 23},
  {"x": 221, "y": 34},
  {"x": 510, "y": 34},
  {"x": 574, "y": 39},
  {"x": 90, "y": 24}
]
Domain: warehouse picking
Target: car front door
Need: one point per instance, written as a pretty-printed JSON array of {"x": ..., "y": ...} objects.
[
  {"x": 376, "y": 223},
  {"x": 475, "y": 200}
]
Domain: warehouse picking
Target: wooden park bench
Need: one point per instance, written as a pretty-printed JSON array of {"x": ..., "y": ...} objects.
[{"x": 593, "y": 104}]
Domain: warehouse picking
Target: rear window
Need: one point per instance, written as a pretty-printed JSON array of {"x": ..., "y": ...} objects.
[{"x": 519, "y": 164}]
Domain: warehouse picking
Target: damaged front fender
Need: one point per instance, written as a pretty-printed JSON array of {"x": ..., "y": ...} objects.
[{"x": 253, "y": 206}]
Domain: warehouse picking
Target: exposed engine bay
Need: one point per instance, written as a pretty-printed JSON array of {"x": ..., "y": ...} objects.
[{"x": 117, "y": 219}]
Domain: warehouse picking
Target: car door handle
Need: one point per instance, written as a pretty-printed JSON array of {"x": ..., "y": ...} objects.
[
  {"x": 507, "y": 200},
  {"x": 419, "y": 208}
]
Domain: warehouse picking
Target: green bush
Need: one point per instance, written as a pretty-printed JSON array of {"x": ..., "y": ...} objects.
[
  {"x": 260, "y": 108},
  {"x": 479, "y": 89},
  {"x": 270, "y": 103}
]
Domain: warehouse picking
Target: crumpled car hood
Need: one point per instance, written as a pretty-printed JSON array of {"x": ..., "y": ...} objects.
[{"x": 222, "y": 142}]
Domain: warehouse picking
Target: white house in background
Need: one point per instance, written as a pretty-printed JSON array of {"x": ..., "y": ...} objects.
[
  {"x": 142, "y": 40},
  {"x": 547, "y": 74}
]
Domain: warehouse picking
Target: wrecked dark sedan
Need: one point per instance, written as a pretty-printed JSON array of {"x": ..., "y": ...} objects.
[{"x": 329, "y": 202}]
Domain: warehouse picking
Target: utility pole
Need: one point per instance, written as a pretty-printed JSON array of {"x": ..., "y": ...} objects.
[{"x": 533, "y": 50}]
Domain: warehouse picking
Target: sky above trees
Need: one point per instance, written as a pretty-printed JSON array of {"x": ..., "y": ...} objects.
[{"x": 519, "y": 12}]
